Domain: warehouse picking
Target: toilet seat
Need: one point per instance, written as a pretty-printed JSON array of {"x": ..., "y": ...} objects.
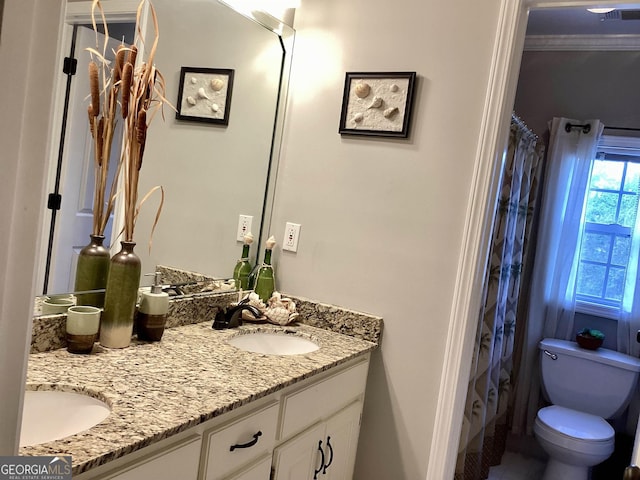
[{"x": 577, "y": 431}]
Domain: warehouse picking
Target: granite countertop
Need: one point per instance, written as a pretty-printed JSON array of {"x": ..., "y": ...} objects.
[{"x": 159, "y": 389}]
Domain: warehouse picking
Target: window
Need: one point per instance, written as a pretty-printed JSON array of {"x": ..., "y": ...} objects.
[{"x": 609, "y": 224}]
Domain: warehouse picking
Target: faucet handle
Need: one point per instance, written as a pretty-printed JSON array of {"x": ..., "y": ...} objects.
[{"x": 231, "y": 317}]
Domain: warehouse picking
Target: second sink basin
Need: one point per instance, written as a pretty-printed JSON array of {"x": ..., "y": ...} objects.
[
  {"x": 273, "y": 343},
  {"x": 52, "y": 414}
]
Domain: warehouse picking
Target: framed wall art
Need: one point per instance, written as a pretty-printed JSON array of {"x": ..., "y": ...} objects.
[
  {"x": 204, "y": 94},
  {"x": 377, "y": 104}
]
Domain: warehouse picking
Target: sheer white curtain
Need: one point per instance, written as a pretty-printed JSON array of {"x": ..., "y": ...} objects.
[
  {"x": 629, "y": 321},
  {"x": 552, "y": 296}
]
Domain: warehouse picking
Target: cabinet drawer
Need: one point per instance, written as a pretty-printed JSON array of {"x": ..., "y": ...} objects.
[
  {"x": 306, "y": 406},
  {"x": 177, "y": 461},
  {"x": 238, "y": 443}
]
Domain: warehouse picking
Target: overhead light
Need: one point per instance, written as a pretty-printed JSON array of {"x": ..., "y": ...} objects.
[
  {"x": 264, "y": 5},
  {"x": 600, "y": 10}
]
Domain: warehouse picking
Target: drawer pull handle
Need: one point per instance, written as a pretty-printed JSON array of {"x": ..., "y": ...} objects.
[
  {"x": 316, "y": 472},
  {"x": 324, "y": 471},
  {"x": 247, "y": 445}
]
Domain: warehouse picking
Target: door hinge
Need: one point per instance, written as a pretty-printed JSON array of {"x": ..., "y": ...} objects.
[
  {"x": 54, "y": 201},
  {"x": 69, "y": 66}
]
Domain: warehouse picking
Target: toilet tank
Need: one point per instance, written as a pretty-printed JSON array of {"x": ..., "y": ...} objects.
[{"x": 599, "y": 381}]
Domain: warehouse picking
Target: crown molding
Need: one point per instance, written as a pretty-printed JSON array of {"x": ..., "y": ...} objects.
[{"x": 581, "y": 42}]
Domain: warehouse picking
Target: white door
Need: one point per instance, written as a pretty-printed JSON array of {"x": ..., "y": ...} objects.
[{"x": 75, "y": 218}]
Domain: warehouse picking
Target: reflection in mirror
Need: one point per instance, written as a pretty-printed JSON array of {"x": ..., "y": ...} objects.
[{"x": 210, "y": 173}]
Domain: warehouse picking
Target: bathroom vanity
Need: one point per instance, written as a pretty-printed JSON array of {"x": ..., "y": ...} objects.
[{"x": 193, "y": 406}]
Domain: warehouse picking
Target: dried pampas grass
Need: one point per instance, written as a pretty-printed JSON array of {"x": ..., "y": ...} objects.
[{"x": 139, "y": 90}]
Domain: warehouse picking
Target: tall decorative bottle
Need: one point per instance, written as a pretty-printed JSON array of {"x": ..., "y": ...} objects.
[
  {"x": 243, "y": 268},
  {"x": 116, "y": 325},
  {"x": 91, "y": 272},
  {"x": 266, "y": 279}
]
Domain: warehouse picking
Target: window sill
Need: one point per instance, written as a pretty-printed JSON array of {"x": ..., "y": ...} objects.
[{"x": 597, "y": 310}]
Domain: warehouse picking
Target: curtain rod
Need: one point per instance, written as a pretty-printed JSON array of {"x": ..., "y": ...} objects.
[
  {"x": 628, "y": 129},
  {"x": 586, "y": 128}
]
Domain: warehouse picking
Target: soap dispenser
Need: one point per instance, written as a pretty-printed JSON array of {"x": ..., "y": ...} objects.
[
  {"x": 266, "y": 279},
  {"x": 243, "y": 268},
  {"x": 152, "y": 313}
]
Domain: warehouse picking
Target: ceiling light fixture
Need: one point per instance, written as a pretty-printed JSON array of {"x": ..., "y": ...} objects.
[{"x": 600, "y": 10}]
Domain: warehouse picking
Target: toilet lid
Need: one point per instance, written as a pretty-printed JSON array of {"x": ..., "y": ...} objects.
[{"x": 576, "y": 424}]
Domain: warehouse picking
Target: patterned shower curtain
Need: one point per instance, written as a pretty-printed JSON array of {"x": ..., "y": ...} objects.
[{"x": 484, "y": 429}]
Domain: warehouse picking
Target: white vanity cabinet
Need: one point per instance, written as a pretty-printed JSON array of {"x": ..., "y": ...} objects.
[{"x": 304, "y": 431}]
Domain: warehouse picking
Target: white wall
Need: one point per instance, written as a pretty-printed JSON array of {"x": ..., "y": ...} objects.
[
  {"x": 382, "y": 219},
  {"x": 30, "y": 32}
]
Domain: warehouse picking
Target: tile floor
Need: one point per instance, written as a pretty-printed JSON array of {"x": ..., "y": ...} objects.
[{"x": 516, "y": 466}]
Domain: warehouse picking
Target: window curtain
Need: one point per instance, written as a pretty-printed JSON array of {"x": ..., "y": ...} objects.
[
  {"x": 551, "y": 306},
  {"x": 484, "y": 429},
  {"x": 629, "y": 321}
]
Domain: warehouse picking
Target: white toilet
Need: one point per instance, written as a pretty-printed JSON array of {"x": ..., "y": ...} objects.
[{"x": 585, "y": 387}]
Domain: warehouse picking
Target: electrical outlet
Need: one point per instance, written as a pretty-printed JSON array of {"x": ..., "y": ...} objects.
[
  {"x": 291, "y": 237},
  {"x": 244, "y": 226}
]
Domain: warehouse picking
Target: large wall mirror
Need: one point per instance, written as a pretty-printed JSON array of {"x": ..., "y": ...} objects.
[{"x": 211, "y": 174}]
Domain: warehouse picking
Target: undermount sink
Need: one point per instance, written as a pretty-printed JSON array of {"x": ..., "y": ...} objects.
[
  {"x": 52, "y": 414},
  {"x": 273, "y": 343}
]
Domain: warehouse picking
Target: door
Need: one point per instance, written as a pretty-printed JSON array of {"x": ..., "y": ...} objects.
[
  {"x": 75, "y": 217},
  {"x": 341, "y": 443},
  {"x": 326, "y": 451},
  {"x": 302, "y": 458}
]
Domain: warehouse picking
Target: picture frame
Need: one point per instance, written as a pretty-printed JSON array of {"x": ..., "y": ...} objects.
[
  {"x": 204, "y": 94},
  {"x": 377, "y": 104}
]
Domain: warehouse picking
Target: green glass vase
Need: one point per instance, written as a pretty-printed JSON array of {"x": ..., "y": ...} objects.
[
  {"x": 242, "y": 270},
  {"x": 116, "y": 326},
  {"x": 265, "y": 279},
  {"x": 92, "y": 271}
]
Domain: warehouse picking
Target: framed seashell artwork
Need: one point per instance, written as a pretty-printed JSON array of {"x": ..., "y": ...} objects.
[
  {"x": 204, "y": 94},
  {"x": 377, "y": 104}
]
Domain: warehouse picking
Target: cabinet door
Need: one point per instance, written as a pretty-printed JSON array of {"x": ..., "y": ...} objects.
[
  {"x": 302, "y": 457},
  {"x": 341, "y": 443}
]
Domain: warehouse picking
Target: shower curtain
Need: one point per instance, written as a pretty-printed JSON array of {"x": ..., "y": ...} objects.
[{"x": 484, "y": 428}]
